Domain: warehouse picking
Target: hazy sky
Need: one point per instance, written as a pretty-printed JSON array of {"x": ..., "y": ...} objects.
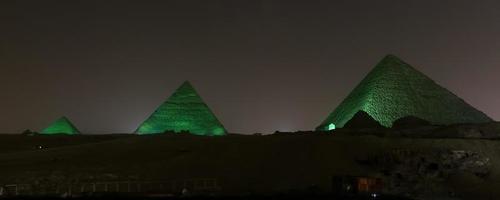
[{"x": 260, "y": 65}]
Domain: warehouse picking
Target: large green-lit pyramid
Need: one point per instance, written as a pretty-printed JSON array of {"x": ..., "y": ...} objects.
[
  {"x": 183, "y": 111},
  {"x": 61, "y": 126},
  {"x": 394, "y": 89}
]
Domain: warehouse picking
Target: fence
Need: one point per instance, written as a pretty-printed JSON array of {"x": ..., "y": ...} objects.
[{"x": 204, "y": 185}]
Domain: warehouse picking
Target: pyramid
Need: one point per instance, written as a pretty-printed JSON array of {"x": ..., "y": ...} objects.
[
  {"x": 61, "y": 126},
  {"x": 183, "y": 111},
  {"x": 394, "y": 89},
  {"x": 362, "y": 120}
]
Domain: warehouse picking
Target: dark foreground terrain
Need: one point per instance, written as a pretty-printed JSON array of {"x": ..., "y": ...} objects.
[
  {"x": 249, "y": 167},
  {"x": 245, "y": 197}
]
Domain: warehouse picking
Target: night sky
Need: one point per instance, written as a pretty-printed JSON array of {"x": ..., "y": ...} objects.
[{"x": 261, "y": 65}]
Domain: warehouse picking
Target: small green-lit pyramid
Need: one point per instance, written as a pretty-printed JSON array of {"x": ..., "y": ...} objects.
[
  {"x": 61, "y": 126},
  {"x": 183, "y": 111},
  {"x": 394, "y": 89}
]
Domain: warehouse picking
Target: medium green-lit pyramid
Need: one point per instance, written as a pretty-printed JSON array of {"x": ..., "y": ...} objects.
[
  {"x": 394, "y": 89},
  {"x": 183, "y": 111},
  {"x": 61, "y": 126}
]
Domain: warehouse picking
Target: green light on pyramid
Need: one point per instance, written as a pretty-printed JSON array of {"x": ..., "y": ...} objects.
[
  {"x": 331, "y": 126},
  {"x": 183, "y": 111},
  {"x": 61, "y": 126},
  {"x": 219, "y": 131},
  {"x": 394, "y": 89}
]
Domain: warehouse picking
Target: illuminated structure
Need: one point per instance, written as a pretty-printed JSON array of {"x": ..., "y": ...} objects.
[
  {"x": 60, "y": 126},
  {"x": 183, "y": 111},
  {"x": 394, "y": 89}
]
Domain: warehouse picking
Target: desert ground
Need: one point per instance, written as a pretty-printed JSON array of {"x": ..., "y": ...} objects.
[{"x": 260, "y": 164}]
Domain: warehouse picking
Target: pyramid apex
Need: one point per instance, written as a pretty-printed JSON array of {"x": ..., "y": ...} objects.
[
  {"x": 64, "y": 117},
  {"x": 392, "y": 62},
  {"x": 391, "y": 57},
  {"x": 186, "y": 82}
]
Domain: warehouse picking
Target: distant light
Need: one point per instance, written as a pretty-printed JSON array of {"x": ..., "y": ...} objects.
[
  {"x": 374, "y": 195},
  {"x": 331, "y": 126},
  {"x": 40, "y": 147}
]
